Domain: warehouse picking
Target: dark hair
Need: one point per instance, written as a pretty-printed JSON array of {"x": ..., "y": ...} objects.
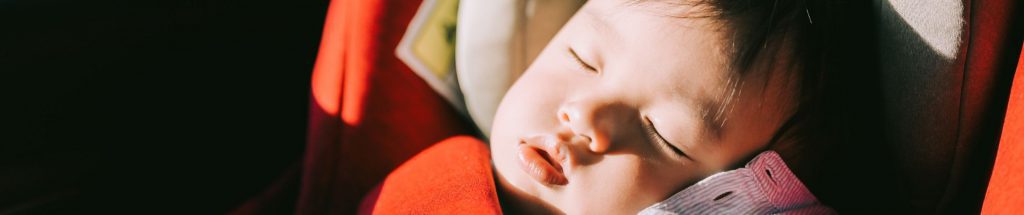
[{"x": 770, "y": 35}]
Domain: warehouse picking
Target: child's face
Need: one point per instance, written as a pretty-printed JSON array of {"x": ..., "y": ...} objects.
[{"x": 583, "y": 135}]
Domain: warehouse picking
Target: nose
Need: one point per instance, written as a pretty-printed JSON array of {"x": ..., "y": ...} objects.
[{"x": 593, "y": 121}]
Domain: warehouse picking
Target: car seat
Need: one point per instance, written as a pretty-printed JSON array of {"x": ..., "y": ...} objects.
[{"x": 933, "y": 106}]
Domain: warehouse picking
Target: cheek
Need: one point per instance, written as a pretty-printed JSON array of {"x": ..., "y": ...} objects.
[
  {"x": 534, "y": 98},
  {"x": 624, "y": 184},
  {"x": 531, "y": 104},
  {"x": 529, "y": 107}
]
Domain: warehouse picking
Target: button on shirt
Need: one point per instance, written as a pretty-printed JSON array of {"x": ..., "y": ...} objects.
[{"x": 764, "y": 186}]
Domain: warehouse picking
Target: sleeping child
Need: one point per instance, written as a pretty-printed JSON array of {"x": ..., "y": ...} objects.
[
  {"x": 644, "y": 106},
  {"x": 663, "y": 107}
]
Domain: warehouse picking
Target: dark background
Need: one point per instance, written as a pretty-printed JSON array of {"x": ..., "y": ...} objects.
[{"x": 153, "y": 107}]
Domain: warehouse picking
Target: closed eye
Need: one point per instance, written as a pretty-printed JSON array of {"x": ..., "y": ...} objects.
[
  {"x": 580, "y": 61},
  {"x": 653, "y": 131}
]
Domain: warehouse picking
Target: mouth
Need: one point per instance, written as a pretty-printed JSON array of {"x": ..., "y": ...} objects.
[{"x": 540, "y": 157}]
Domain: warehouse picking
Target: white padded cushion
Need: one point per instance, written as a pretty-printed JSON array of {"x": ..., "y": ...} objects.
[{"x": 497, "y": 40}]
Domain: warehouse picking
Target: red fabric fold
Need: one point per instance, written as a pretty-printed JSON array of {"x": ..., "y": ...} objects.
[
  {"x": 1005, "y": 194},
  {"x": 451, "y": 177}
]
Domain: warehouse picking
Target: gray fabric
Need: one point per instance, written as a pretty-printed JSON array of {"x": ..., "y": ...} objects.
[{"x": 922, "y": 77}]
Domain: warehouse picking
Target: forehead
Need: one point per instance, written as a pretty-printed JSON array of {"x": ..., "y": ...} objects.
[
  {"x": 669, "y": 57},
  {"x": 650, "y": 40}
]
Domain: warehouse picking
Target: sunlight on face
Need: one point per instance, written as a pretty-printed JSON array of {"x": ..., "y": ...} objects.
[{"x": 624, "y": 108}]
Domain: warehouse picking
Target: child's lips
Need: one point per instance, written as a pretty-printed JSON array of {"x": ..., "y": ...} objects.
[{"x": 540, "y": 157}]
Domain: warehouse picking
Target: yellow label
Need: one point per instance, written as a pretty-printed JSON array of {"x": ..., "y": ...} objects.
[{"x": 435, "y": 43}]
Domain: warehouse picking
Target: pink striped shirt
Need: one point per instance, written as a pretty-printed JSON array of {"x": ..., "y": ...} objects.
[{"x": 764, "y": 186}]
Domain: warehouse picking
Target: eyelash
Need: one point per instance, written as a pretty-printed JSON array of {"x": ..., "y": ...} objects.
[
  {"x": 653, "y": 132},
  {"x": 579, "y": 61}
]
